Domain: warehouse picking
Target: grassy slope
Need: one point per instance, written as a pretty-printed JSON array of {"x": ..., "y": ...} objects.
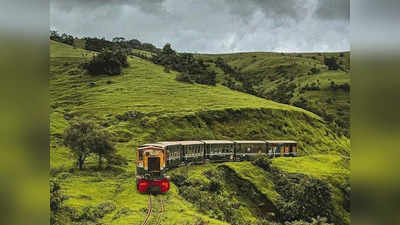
[
  {"x": 169, "y": 110},
  {"x": 330, "y": 168},
  {"x": 264, "y": 67}
]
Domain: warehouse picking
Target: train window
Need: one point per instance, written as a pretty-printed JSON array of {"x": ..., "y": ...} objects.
[{"x": 140, "y": 155}]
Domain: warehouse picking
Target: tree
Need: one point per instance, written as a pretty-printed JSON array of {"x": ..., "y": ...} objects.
[
  {"x": 167, "y": 49},
  {"x": 101, "y": 145},
  {"x": 64, "y": 38},
  {"x": 118, "y": 39},
  {"x": 109, "y": 61},
  {"x": 84, "y": 138},
  {"x": 184, "y": 77},
  {"x": 54, "y": 36},
  {"x": 331, "y": 63}
]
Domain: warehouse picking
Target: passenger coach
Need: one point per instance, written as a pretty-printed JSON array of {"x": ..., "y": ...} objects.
[
  {"x": 281, "y": 148},
  {"x": 249, "y": 150},
  {"x": 153, "y": 160},
  {"x": 219, "y": 150}
]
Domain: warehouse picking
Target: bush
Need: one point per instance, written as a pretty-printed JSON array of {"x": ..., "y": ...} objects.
[
  {"x": 311, "y": 198},
  {"x": 345, "y": 87},
  {"x": 56, "y": 200},
  {"x": 109, "y": 61},
  {"x": 184, "y": 77},
  {"x": 56, "y": 196},
  {"x": 332, "y": 63},
  {"x": 192, "y": 70},
  {"x": 263, "y": 162}
]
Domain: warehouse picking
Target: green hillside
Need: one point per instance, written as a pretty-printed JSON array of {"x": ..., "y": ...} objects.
[
  {"x": 146, "y": 104},
  {"x": 273, "y": 76}
]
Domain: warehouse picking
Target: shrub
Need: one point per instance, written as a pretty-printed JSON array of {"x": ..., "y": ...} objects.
[
  {"x": 308, "y": 199},
  {"x": 56, "y": 200},
  {"x": 263, "y": 162},
  {"x": 56, "y": 196},
  {"x": 332, "y": 63},
  {"x": 184, "y": 77},
  {"x": 109, "y": 61},
  {"x": 345, "y": 87}
]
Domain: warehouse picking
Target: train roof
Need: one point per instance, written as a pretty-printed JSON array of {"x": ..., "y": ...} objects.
[
  {"x": 189, "y": 142},
  {"x": 249, "y": 142},
  {"x": 281, "y": 142},
  {"x": 168, "y": 143},
  {"x": 217, "y": 141},
  {"x": 149, "y": 146}
]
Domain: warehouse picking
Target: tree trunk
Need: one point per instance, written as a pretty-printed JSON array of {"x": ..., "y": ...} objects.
[
  {"x": 80, "y": 163},
  {"x": 100, "y": 161}
]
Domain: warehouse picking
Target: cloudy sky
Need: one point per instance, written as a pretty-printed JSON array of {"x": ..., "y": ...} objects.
[{"x": 211, "y": 26}]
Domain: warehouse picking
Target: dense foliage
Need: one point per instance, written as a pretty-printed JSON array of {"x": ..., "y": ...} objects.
[
  {"x": 56, "y": 200},
  {"x": 245, "y": 82},
  {"x": 98, "y": 44},
  {"x": 64, "y": 38},
  {"x": 332, "y": 63},
  {"x": 109, "y": 61},
  {"x": 302, "y": 197},
  {"x": 192, "y": 70},
  {"x": 213, "y": 199},
  {"x": 283, "y": 93},
  {"x": 303, "y": 200}
]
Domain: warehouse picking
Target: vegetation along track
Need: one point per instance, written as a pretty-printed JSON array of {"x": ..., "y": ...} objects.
[{"x": 157, "y": 220}]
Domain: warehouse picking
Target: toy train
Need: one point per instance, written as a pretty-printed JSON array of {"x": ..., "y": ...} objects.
[{"x": 153, "y": 160}]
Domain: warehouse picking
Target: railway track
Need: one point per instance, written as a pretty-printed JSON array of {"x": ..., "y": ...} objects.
[
  {"x": 156, "y": 220},
  {"x": 149, "y": 211},
  {"x": 161, "y": 212}
]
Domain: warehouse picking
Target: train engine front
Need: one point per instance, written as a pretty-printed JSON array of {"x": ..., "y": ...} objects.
[{"x": 151, "y": 169}]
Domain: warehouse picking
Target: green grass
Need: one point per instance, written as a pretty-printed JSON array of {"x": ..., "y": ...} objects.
[
  {"x": 266, "y": 71},
  {"x": 58, "y": 49},
  {"x": 145, "y": 87},
  {"x": 170, "y": 110}
]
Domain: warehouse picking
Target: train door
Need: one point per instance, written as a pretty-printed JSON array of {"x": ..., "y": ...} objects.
[{"x": 282, "y": 150}]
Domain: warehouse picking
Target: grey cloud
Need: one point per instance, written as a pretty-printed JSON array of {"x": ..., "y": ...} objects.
[
  {"x": 281, "y": 9},
  {"x": 150, "y": 6},
  {"x": 333, "y": 9},
  {"x": 211, "y": 26}
]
